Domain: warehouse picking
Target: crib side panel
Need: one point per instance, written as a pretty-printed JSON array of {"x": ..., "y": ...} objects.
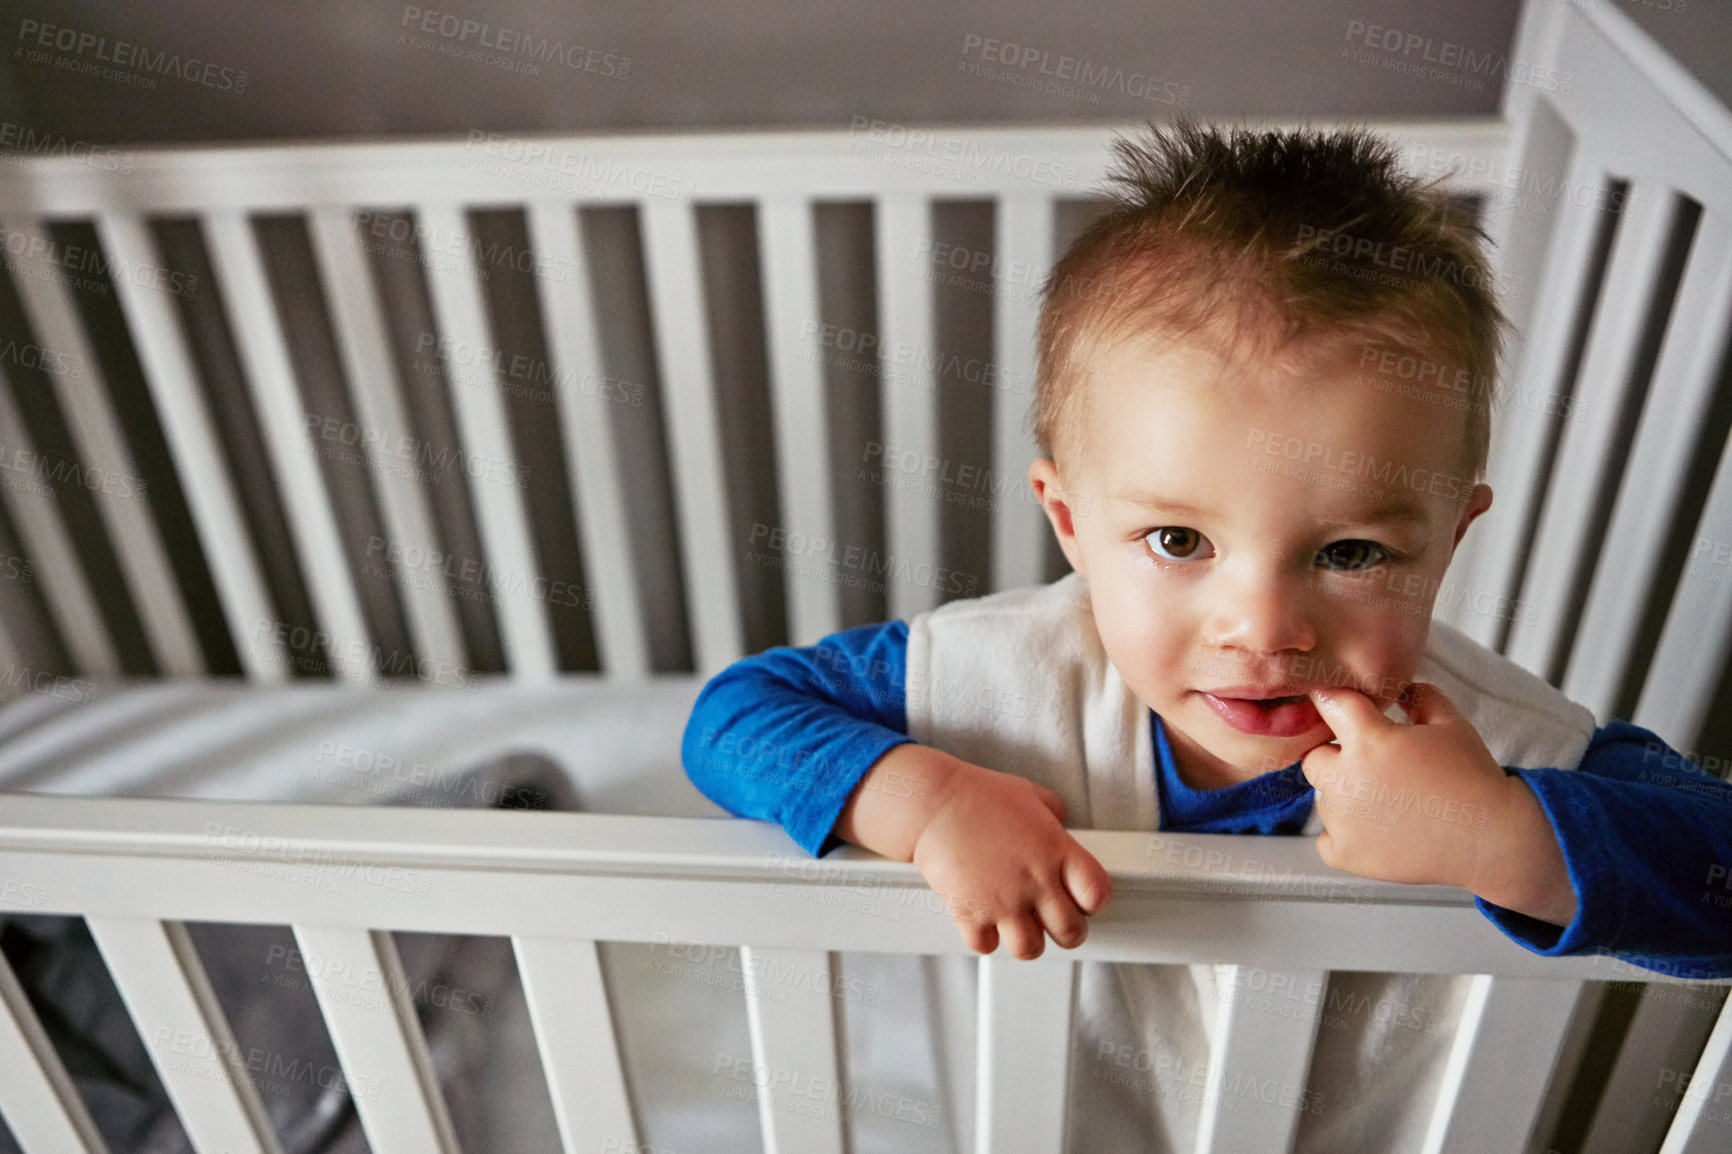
[
  {"x": 117, "y": 861},
  {"x": 1602, "y": 568},
  {"x": 415, "y": 207},
  {"x": 1612, "y": 405}
]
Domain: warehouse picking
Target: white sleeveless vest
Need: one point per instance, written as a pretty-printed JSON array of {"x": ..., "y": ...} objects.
[{"x": 1019, "y": 682}]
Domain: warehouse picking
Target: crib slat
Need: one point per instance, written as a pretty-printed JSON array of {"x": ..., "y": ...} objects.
[
  {"x": 163, "y": 983},
  {"x": 38, "y": 1099},
  {"x": 1536, "y": 139},
  {"x": 951, "y": 995},
  {"x": 793, "y": 1049},
  {"x": 385, "y": 1062},
  {"x": 682, "y": 340},
  {"x": 1023, "y": 1054},
  {"x": 44, "y": 537},
  {"x": 1520, "y": 430},
  {"x": 1667, "y": 1031},
  {"x": 373, "y": 382},
  {"x": 598, "y": 484},
  {"x": 198, "y": 457},
  {"x": 480, "y": 410},
  {"x": 1691, "y": 1133},
  {"x": 1672, "y": 418},
  {"x": 1258, "y": 1065},
  {"x": 1024, "y": 239},
  {"x": 1507, "y": 1024},
  {"x": 270, "y": 378},
  {"x": 568, "y": 1007},
  {"x": 1585, "y": 453},
  {"x": 788, "y": 255},
  {"x": 1524, "y": 234},
  {"x": 10, "y": 658},
  {"x": 1697, "y": 635},
  {"x": 908, "y": 393},
  {"x": 120, "y": 496}
]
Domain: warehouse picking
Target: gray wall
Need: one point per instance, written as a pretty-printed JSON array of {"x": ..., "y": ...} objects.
[
  {"x": 345, "y": 68},
  {"x": 1697, "y": 32}
]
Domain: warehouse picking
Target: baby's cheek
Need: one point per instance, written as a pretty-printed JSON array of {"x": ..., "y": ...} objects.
[
  {"x": 1390, "y": 644},
  {"x": 1389, "y": 683},
  {"x": 1145, "y": 654},
  {"x": 1407, "y": 650},
  {"x": 1131, "y": 624},
  {"x": 1377, "y": 661}
]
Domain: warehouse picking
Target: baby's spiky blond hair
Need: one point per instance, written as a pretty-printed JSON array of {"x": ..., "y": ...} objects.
[{"x": 1274, "y": 240}]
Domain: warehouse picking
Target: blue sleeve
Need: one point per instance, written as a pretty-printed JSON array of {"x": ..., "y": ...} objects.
[
  {"x": 786, "y": 736},
  {"x": 1647, "y": 837}
]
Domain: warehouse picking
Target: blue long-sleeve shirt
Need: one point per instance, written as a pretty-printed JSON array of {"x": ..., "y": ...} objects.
[{"x": 785, "y": 736}]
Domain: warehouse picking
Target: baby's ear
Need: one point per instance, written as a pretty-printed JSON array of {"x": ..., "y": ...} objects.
[
  {"x": 1477, "y": 502},
  {"x": 1061, "y": 508}
]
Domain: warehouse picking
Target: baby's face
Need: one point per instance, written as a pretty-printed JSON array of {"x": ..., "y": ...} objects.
[{"x": 1251, "y": 530}]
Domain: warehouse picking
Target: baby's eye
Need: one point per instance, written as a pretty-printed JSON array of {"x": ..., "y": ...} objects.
[
  {"x": 1351, "y": 555},
  {"x": 1177, "y": 543}
]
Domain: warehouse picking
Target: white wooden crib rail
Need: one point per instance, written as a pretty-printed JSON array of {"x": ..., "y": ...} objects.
[{"x": 557, "y": 883}]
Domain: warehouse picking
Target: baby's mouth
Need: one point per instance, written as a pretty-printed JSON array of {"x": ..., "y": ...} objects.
[{"x": 1284, "y": 716}]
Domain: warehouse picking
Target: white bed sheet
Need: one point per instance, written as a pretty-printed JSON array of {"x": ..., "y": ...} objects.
[{"x": 585, "y": 744}]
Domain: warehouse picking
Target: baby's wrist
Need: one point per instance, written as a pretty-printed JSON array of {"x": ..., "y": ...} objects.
[
  {"x": 897, "y": 799},
  {"x": 1520, "y": 865}
]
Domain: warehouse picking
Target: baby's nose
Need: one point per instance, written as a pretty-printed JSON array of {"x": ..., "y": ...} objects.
[{"x": 1263, "y": 617}]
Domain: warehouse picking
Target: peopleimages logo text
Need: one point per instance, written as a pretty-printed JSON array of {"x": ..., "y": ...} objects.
[{"x": 125, "y": 54}]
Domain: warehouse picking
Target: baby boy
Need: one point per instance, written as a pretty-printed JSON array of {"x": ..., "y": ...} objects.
[{"x": 1264, "y": 411}]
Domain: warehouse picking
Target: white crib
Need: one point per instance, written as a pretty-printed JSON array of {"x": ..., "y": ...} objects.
[{"x": 1610, "y": 197}]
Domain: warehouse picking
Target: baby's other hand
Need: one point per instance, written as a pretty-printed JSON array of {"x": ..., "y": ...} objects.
[
  {"x": 1008, "y": 871},
  {"x": 1405, "y": 803}
]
